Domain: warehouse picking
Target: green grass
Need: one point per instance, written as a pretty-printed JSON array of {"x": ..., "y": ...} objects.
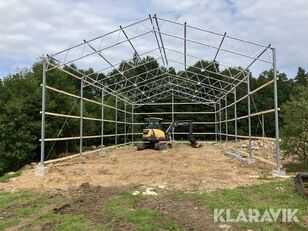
[
  {"x": 7, "y": 176},
  {"x": 296, "y": 167},
  {"x": 273, "y": 195},
  {"x": 122, "y": 207},
  {"x": 76, "y": 223},
  {"x": 36, "y": 209},
  {"x": 8, "y": 223}
]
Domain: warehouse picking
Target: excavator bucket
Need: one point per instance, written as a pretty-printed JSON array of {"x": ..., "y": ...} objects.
[
  {"x": 301, "y": 184},
  {"x": 195, "y": 144}
]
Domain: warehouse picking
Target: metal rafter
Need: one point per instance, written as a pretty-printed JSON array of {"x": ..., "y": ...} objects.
[
  {"x": 146, "y": 81},
  {"x": 161, "y": 39},
  {"x": 205, "y": 79},
  {"x": 115, "y": 68},
  {"x": 161, "y": 54},
  {"x": 184, "y": 85}
]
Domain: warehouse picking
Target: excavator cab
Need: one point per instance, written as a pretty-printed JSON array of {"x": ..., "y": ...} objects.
[{"x": 154, "y": 123}]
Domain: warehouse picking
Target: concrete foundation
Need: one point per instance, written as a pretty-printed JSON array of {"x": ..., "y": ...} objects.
[
  {"x": 280, "y": 173},
  {"x": 250, "y": 160},
  {"x": 41, "y": 171}
]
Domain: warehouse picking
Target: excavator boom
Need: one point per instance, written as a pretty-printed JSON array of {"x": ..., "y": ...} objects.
[{"x": 186, "y": 123}]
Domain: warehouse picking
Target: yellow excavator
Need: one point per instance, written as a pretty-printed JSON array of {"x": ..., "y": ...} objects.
[{"x": 154, "y": 137}]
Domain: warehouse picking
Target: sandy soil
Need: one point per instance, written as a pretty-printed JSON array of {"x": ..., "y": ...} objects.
[{"x": 181, "y": 167}]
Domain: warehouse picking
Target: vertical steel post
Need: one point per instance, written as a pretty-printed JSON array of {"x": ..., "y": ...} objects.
[
  {"x": 81, "y": 116},
  {"x": 263, "y": 130},
  {"x": 132, "y": 117},
  {"x": 277, "y": 149},
  {"x": 235, "y": 118},
  {"x": 216, "y": 129},
  {"x": 102, "y": 122},
  {"x": 125, "y": 140},
  {"x": 219, "y": 108},
  {"x": 172, "y": 105},
  {"x": 226, "y": 117},
  {"x": 116, "y": 121},
  {"x": 43, "y": 114},
  {"x": 249, "y": 117},
  {"x": 185, "y": 45}
]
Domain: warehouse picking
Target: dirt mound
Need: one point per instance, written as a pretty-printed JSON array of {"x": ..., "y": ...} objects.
[{"x": 261, "y": 148}]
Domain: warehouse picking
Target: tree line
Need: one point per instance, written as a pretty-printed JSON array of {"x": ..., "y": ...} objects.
[{"x": 20, "y": 105}]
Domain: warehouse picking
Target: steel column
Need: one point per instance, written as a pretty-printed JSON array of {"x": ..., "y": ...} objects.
[
  {"x": 43, "y": 114},
  {"x": 185, "y": 45},
  {"x": 81, "y": 116},
  {"x": 263, "y": 130},
  {"x": 102, "y": 123},
  {"x": 172, "y": 113},
  {"x": 132, "y": 123},
  {"x": 249, "y": 117},
  {"x": 125, "y": 139},
  {"x": 216, "y": 129},
  {"x": 277, "y": 149},
  {"x": 226, "y": 117},
  {"x": 219, "y": 108},
  {"x": 116, "y": 119},
  {"x": 172, "y": 105},
  {"x": 235, "y": 118}
]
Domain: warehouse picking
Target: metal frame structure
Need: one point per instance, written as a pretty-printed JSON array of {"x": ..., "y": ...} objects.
[{"x": 171, "y": 44}]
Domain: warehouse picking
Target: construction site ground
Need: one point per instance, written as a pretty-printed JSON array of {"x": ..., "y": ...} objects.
[
  {"x": 125, "y": 189},
  {"x": 179, "y": 168}
]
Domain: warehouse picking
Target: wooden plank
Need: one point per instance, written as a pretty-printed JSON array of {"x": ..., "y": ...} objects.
[
  {"x": 84, "y": 153},
  {"x": 259, "y": 158},
  {"x": 85, "y": 99}
]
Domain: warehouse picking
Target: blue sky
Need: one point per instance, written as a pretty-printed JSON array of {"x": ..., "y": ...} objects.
[{"x": 30, "y": 28}]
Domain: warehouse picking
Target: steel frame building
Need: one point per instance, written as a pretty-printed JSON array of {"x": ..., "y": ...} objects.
[{"x": 172, "y": 44}]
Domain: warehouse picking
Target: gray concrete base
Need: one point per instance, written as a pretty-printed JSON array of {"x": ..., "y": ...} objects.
[
  {"x": 250, "y": 160},
  {"x": 41, "y": 171},
  {"x": 102, "y": 153},
  {"x": 234, "y": 155},
  {"x": 280, "y": 173}
]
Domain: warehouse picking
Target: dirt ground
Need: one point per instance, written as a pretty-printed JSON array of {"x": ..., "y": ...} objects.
[
  {"x": 87, "y": 199},
  {"x": 178, "y": 168}
]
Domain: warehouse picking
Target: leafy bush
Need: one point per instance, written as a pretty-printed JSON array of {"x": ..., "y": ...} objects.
[{"x": 295, "y": 130}]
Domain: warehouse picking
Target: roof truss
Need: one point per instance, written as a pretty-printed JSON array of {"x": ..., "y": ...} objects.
[{"x": 203, "y": 62}]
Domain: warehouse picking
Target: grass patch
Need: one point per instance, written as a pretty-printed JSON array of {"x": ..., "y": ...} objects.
[
  {"x": 296, "y": 167},
  {"x": 8, "y": 223},
  {"x": 265, "y": 176},
  {"x": 273, "y": 195},
  {"x": 76, "y": 223},
  {"x": 7, "y": 176},
  {"x": 122, "y": 208},
  {"x": 33, "y": 211},
  {"x": 8, "y": 199},
  {"x": 36, "y": 209},
  {"x": 27, "y": 211}
]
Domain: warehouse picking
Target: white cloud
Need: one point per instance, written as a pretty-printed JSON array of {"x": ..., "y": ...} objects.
[{"x": 30, "y": 28}]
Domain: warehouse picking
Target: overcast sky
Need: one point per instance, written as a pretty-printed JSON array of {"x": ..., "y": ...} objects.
[{"x": 31, "y": 28}]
